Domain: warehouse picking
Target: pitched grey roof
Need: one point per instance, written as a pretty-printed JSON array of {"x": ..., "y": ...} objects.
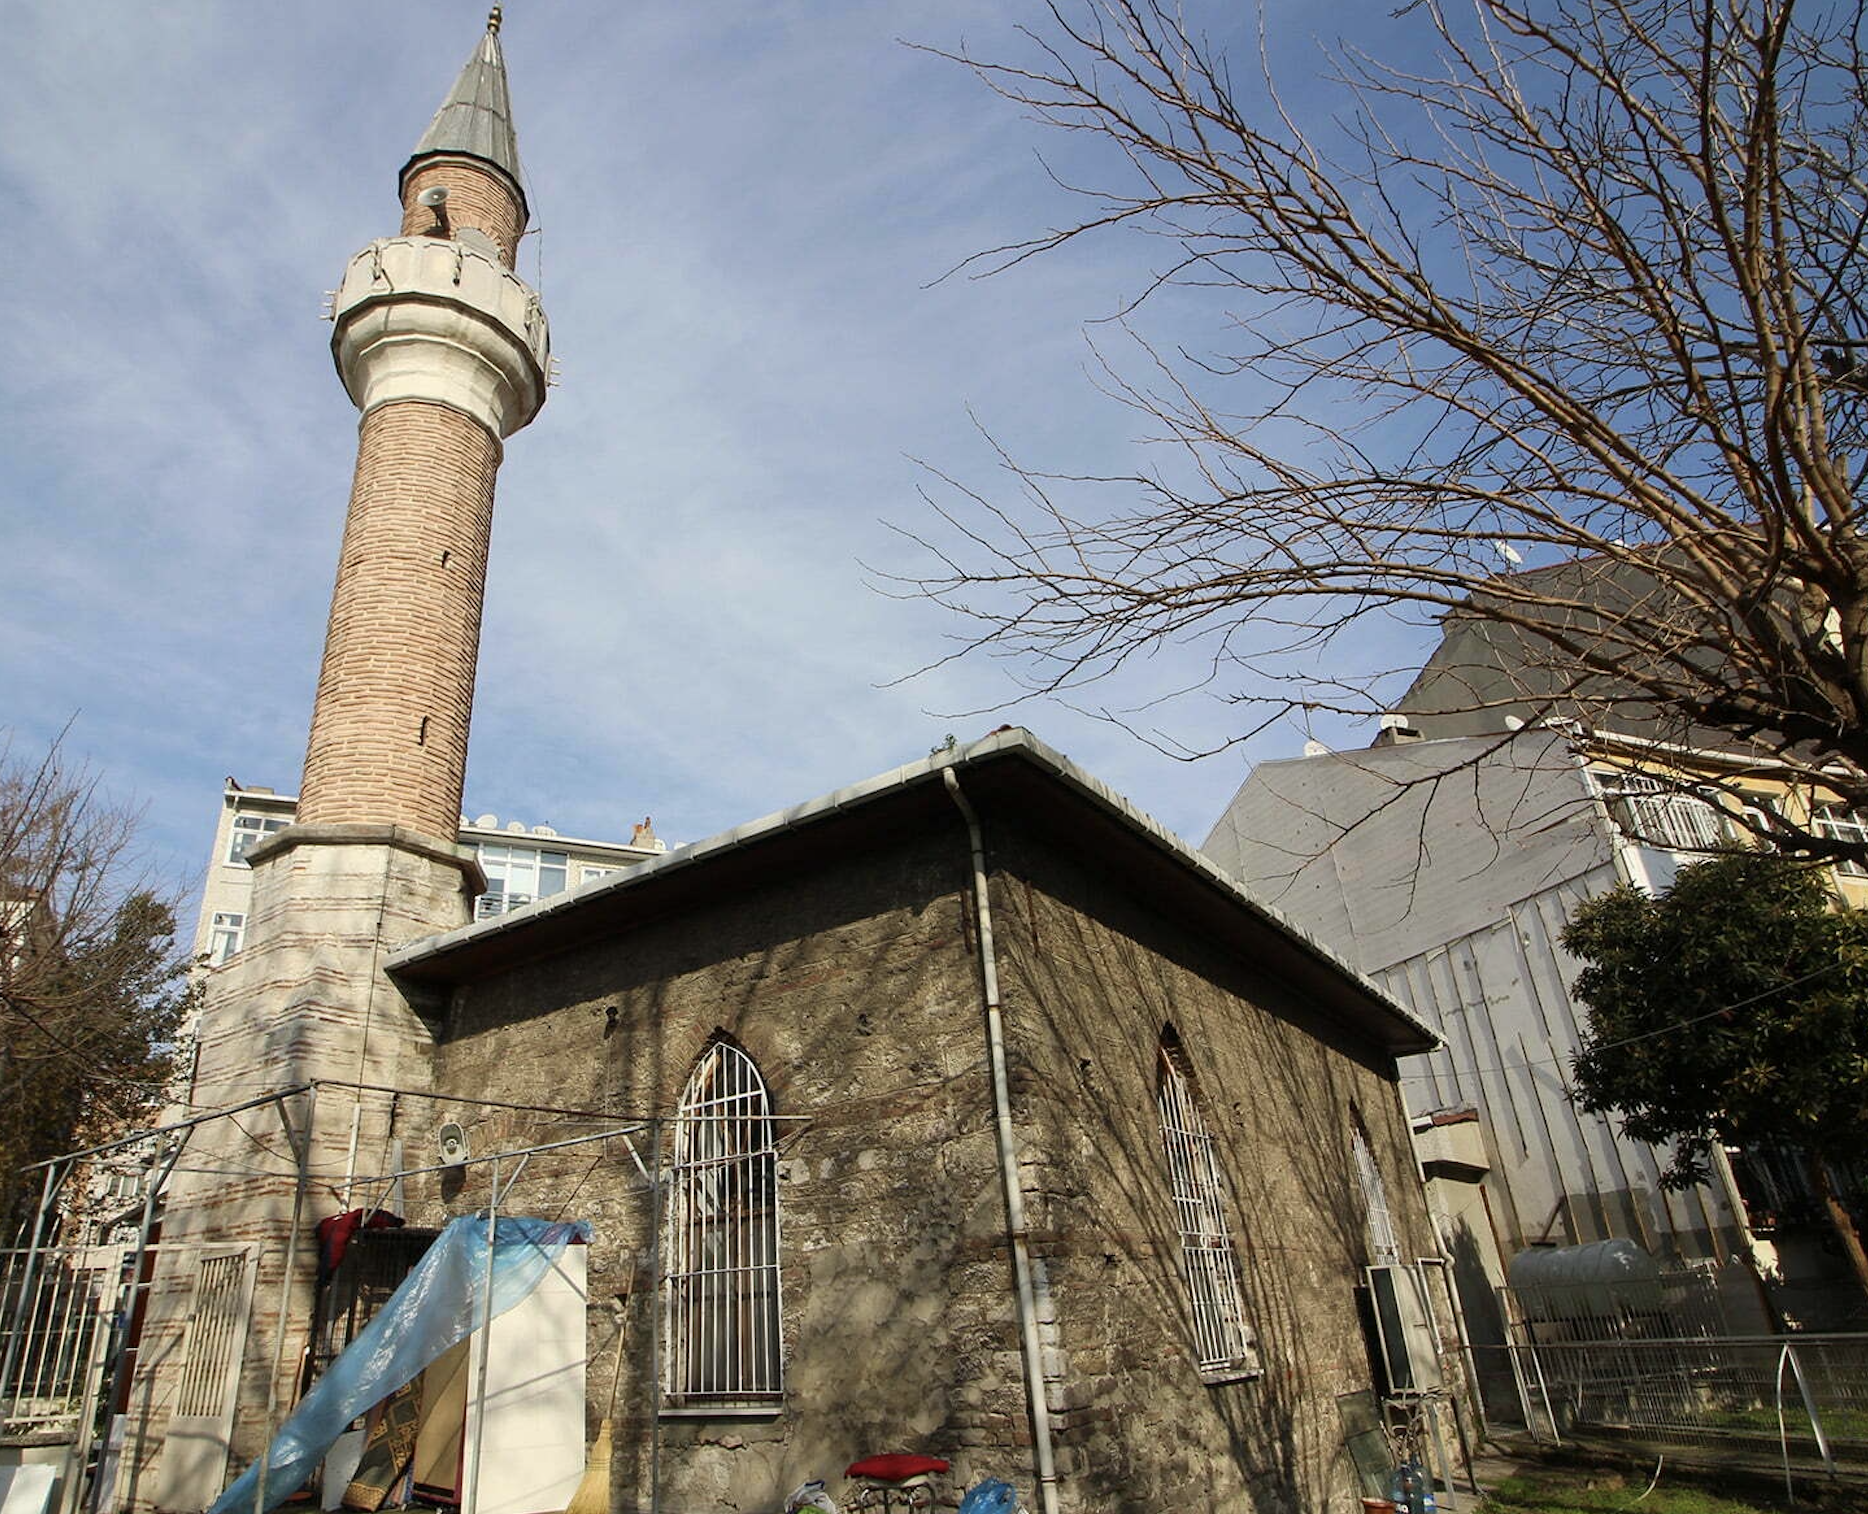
[
  {"x": 1184, "y": 883},
  {"x": 476, "y": 118}
]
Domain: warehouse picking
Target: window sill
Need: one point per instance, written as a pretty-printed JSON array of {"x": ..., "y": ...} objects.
[
  {"x": 721, "y": 1411},
  {"x": 1215, "y": 1377}
]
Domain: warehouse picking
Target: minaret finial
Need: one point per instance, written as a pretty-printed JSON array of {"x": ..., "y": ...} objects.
[{"x": 492, "y": 21}]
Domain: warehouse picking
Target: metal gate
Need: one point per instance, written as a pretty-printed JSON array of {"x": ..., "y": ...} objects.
[{"x": 61, "y": 1308}]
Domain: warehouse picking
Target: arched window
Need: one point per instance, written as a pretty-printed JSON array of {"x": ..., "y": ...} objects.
[
  {"x": 1216, "y": 1300},
  {"x": 722, "y": 1266},
  {"x": 1384, "y": 1249}
]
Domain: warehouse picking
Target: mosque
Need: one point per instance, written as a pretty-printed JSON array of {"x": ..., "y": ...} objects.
[{"x": 964, "y": 1111}]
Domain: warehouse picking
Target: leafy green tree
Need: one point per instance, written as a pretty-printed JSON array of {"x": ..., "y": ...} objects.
[
  {"x": 1733, "y": 1007},
  {"x": 93, "y": 985}
]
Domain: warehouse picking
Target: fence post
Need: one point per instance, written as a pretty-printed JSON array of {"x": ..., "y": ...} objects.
[{"x": 1789, "y": 1355}]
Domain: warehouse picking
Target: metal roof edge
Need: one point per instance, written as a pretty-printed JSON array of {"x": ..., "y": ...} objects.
[{"x": 1011, "y": 741}]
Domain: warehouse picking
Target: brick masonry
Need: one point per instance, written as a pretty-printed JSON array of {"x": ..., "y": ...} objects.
[
  {"x": 478, "y": 196},
  {"x": 389, "y": 729}
]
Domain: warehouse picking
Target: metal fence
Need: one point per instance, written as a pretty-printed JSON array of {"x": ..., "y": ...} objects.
[
  {"x": 1657, "y": 1362},
  {"x": 58, "y": 1308},
  {"x": 1803, "y": 1397}
]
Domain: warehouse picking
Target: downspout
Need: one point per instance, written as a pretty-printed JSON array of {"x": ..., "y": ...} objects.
[{"x": 1015, "y": 1228}]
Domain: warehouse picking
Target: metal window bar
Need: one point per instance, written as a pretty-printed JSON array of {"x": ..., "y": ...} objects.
[
  {"x": 1384, "y": 1247},
  {"x": 55, "y": 1321},
  {"x": 1656, "y": 814},
  {"x": 211, "y": 1330},
  {"x": 1215, "y": 1294},
  {"x": 722, "y": 1343},
  {"x": 374, "y": 1265}
]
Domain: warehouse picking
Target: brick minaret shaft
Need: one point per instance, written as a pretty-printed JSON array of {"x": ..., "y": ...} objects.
[{"x": 439, "y": 388}]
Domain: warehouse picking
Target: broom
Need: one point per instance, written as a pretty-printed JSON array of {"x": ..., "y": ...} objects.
[{"x": 593, "y": 1493}]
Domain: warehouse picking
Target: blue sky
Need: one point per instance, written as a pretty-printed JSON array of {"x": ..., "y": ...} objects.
[{"x": 744, "y": 210}]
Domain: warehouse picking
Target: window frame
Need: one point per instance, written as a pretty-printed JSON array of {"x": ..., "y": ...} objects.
[
  {"x": 1224, "y": 1343},
  {"x": 249, "y": 828},
  {"x": 226, "y": 935},
  {"x": 506, "y": 863},
  {"x": 1838, "y": 822},
  {"x": 723, "y": 1309}
]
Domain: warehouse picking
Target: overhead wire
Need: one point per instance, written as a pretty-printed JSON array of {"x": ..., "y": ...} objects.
[{"x": 1557, "y": 1059}]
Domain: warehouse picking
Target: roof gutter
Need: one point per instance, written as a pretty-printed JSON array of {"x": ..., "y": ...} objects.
[{"x": 1017, "y": 1233}]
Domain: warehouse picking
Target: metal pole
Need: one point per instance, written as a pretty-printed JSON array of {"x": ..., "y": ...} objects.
[
  {"x": 301, "y": 1150},
  {"x": 1809, "y": 1404},
  {"x": 160, "y": 1166},
  {"x": 471, "y": 1503},
  {"x": 1018, "y": 1236},
  {"x": 655, "y": 1319}
]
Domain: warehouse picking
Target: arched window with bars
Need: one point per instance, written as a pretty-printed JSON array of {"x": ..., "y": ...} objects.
[
  {"x": 1223, "y": 1343},
  {"x": 722, "y": 1343}
]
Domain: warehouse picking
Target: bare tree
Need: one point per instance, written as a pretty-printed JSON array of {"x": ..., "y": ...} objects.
[
  {"x": 92, "y": 985},
  {"x": 1588, "y": 294}
]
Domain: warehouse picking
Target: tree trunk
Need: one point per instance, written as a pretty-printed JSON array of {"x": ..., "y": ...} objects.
[{"x": 1840, "y": 1217}]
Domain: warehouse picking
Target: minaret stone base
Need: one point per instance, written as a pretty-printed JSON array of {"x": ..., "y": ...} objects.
[{"x": 308, "y": 1001}]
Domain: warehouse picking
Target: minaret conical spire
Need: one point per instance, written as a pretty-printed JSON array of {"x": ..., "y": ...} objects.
[{"x": 475, "y": 120}]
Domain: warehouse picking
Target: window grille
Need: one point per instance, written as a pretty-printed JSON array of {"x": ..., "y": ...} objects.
[
  {"x": 1384, "y": 1248},
  {"x": 374, "y": 1265},
  {"x": 1215, "y": 1297},
  {"x": 1839, "y": 823},
  {"x": 1657, "y": 814},
  {"x": 722, "y": 1274},
  {"x": 213, "y": 1333}
]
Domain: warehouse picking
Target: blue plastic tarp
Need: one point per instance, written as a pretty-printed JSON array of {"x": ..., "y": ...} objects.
[{"x": 439, "y": 1305}]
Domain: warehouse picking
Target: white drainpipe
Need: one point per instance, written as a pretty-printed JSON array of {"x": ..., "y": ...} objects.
[{"x": 1008, "y": 1163}]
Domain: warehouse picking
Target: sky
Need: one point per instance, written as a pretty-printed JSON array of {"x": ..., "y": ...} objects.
[{"x": 745, "y": 213}]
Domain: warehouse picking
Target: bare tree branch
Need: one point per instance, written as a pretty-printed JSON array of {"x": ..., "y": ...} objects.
[{"x": 1587, "y": 296}]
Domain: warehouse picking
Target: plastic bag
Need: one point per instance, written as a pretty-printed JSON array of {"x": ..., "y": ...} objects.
[{"x": 990, "y": 1497}]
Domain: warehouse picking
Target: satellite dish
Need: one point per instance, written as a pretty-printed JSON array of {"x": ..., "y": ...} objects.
[
  {"x": 451, "y": 1142},
  {"x": 433, "y": 197}
]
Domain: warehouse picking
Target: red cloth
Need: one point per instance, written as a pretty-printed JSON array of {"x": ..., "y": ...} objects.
[
  {"x": 334, "y": 1235},
  {"x": 895, "y": 1466}
]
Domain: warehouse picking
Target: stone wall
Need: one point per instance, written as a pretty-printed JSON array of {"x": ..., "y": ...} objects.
[
  {"x": 854, "y": 985},
  {"x": 306, "y": 999},
  {"x": 1091, "y": 979}
]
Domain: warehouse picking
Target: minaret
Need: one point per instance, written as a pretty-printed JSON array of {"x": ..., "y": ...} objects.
[{"x": 443, "y": 348}]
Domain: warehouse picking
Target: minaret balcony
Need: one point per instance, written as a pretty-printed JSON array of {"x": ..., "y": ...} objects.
[{"x": 444, "y": 321}]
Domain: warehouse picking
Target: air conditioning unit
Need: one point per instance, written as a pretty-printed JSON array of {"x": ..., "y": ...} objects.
[{"x": 1410, "y": 1348}]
